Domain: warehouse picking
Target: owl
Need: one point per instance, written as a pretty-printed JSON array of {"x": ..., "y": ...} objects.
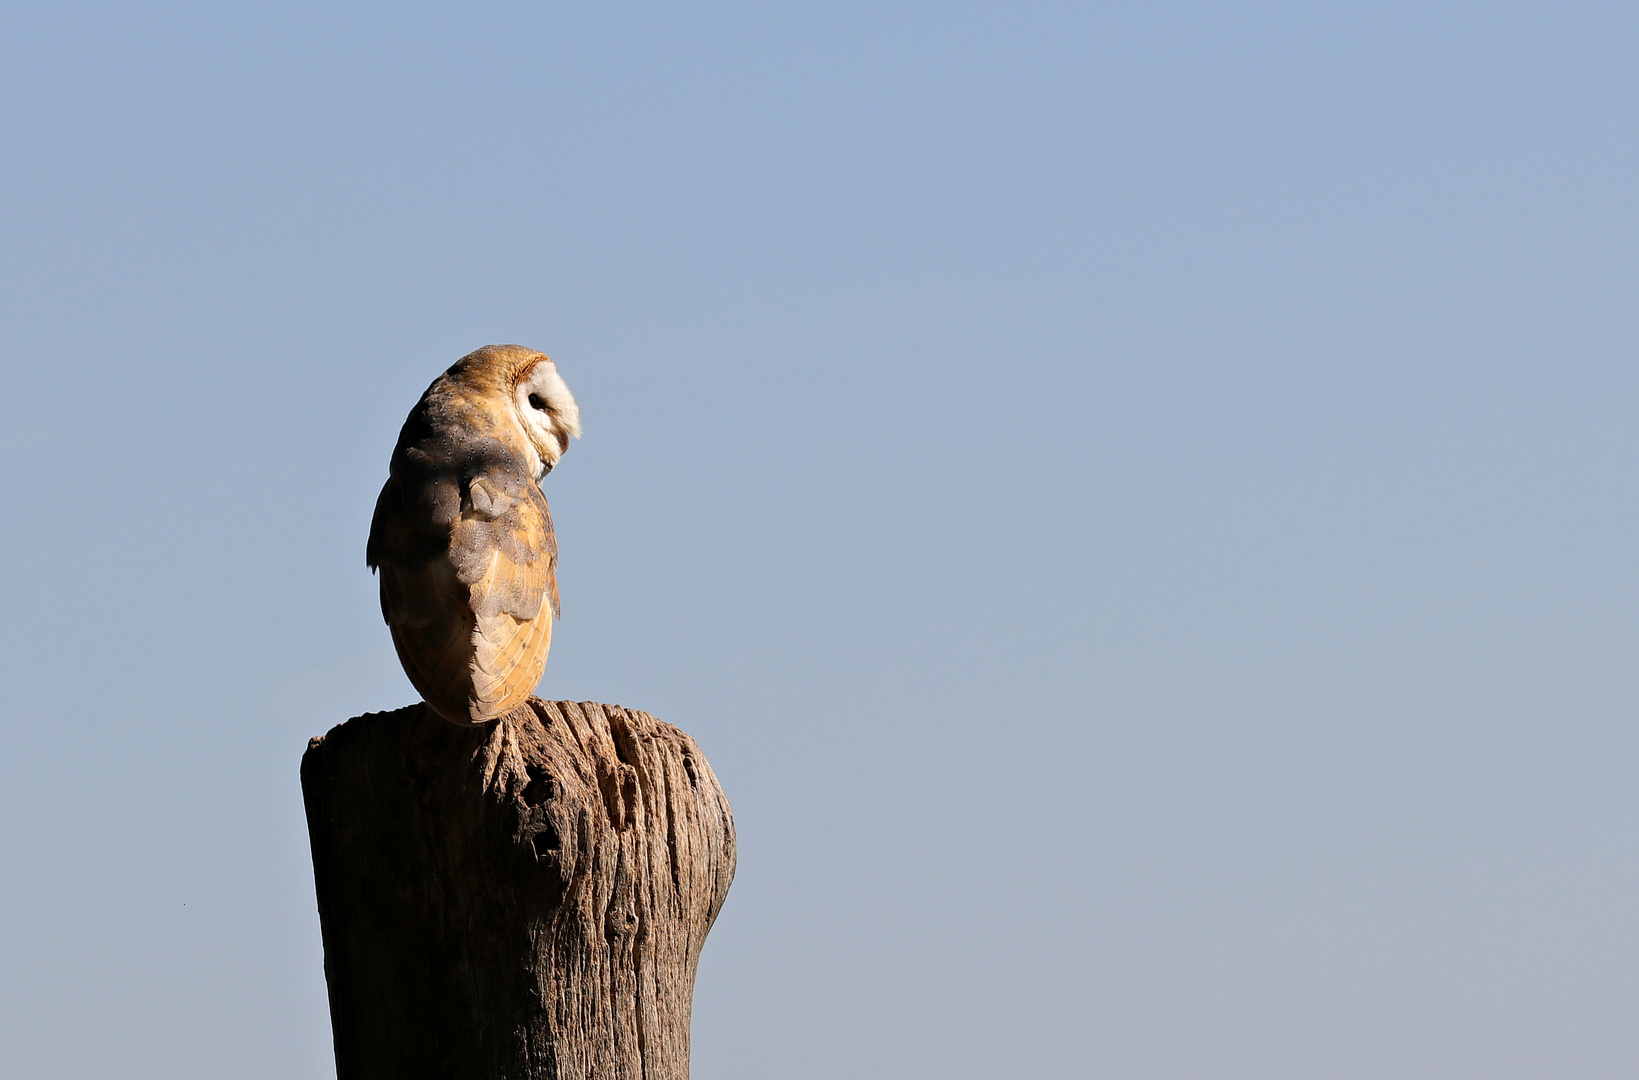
[{"x": 462, "y": 537}]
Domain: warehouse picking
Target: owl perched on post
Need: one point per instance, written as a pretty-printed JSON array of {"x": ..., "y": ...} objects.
[{"x": 462, "y": 537}]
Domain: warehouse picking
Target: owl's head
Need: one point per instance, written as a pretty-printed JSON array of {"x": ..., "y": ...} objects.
[
  {"x": 546, "y": 410},
  {"x": 510, "y": 379}
]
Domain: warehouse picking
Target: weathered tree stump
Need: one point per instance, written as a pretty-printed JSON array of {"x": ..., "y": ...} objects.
[{"x": 525, "y": 900}]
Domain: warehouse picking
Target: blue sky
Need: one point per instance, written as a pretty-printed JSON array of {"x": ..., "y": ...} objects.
[{"x": 1134, "y": 501}]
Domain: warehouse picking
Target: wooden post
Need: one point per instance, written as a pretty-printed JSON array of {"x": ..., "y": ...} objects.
[{"x": 524, "y": 900}]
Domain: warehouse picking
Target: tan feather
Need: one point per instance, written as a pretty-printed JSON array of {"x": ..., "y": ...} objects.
[
  {"x": 508, "y": 659},
  {"x": 462, "y": 535}
]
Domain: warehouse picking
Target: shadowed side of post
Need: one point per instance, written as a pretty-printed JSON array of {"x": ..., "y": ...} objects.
[{"x": 524, "y": 900}]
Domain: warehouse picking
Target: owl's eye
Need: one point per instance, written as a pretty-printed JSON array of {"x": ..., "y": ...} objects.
[{"x": 537, "y": 402}]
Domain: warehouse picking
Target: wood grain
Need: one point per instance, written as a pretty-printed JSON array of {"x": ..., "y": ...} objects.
[{"x": 523, "y": 900}]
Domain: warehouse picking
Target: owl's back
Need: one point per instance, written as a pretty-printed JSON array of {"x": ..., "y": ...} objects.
[{"x": 463, "y": 541}]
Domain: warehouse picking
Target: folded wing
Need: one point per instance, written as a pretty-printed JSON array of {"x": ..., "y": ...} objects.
[{"x": 470, "y": 598}]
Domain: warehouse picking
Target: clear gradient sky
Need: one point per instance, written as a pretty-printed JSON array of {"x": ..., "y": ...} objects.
[{"x": 1135, "y": 501}]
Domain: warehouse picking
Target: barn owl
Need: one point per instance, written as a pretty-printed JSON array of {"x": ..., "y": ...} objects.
[{"x": 462, "y": 537}]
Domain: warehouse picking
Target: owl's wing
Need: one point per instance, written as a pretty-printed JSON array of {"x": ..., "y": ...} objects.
[
  {"x": 422, "y": 600},
  {"x": 409, "y": 536},
  {"x": 469, "y": 588},
  {"x": 503, "y": 549}
]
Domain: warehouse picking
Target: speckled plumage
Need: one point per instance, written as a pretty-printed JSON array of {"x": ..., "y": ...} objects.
[{"x": 462, "y": 536}]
